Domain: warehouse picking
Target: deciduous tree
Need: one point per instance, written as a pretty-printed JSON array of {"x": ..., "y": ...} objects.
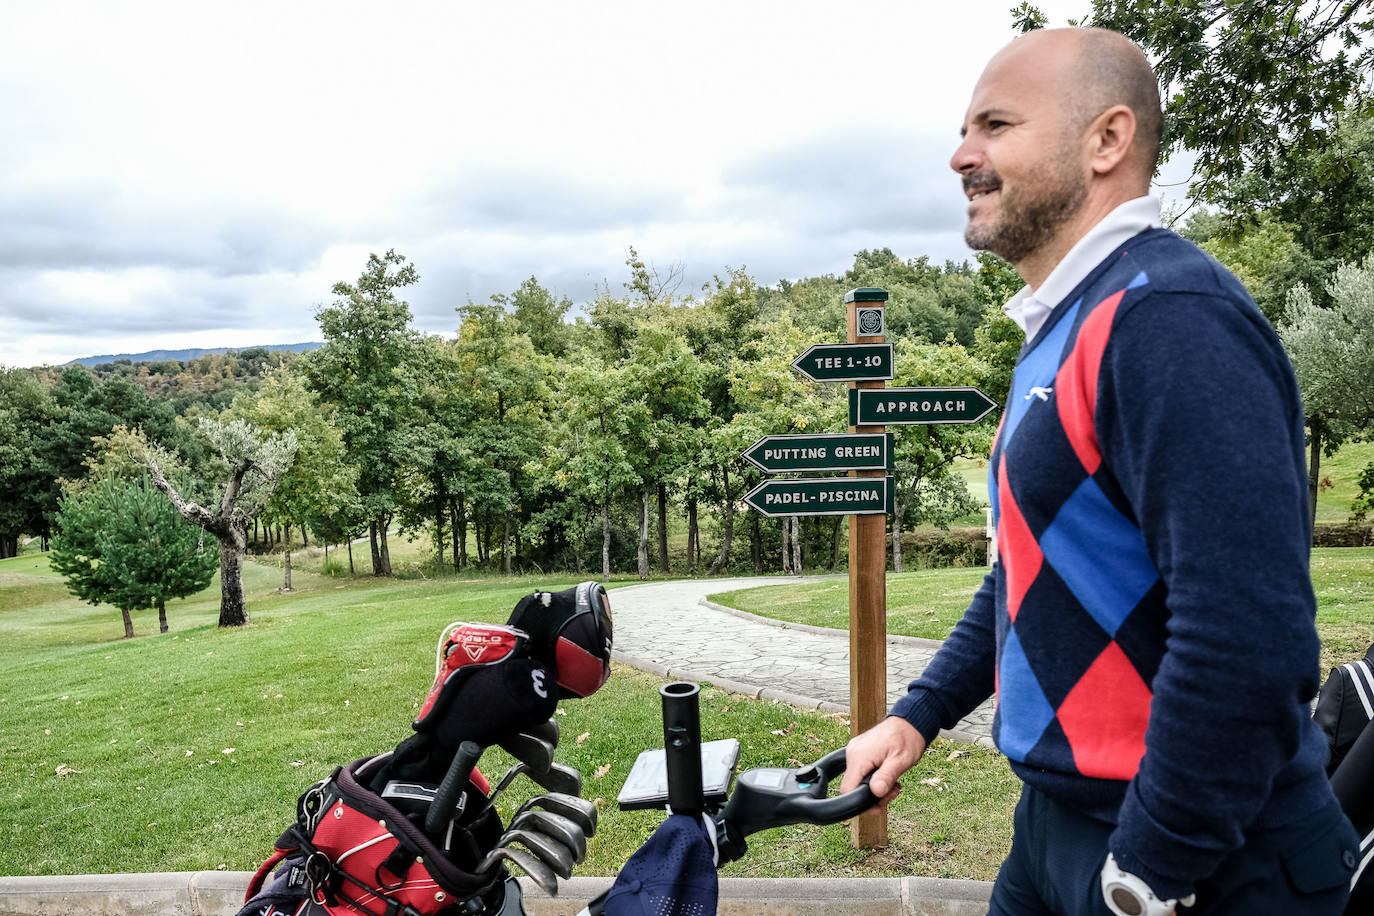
[{"x": 254, "y": 464}]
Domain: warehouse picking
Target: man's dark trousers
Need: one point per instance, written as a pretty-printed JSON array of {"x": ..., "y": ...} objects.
[{"x": 1057, "y": 854}]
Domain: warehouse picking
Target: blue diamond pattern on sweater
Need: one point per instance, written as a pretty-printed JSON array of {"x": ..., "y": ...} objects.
[
  {"x": 1023, "y": 712},
  {"x": 1088, "y": 536}
]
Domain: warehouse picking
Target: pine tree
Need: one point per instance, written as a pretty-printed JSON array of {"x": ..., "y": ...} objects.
[{"x": 121, "y": 543}]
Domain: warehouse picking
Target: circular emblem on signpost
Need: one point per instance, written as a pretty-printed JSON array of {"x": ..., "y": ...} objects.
[{"x": 870, "y": 322}]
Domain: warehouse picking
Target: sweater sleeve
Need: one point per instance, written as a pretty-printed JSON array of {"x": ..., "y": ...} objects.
[
  {"x": 1201, "y": 427},
  {"x": 960, "y": 676}
]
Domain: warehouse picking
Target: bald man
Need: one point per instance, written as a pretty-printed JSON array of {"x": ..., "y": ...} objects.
[{"x": 1149, "y": 626}]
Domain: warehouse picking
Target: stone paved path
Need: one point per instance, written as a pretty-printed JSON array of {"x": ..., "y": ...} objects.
[{"x": 665, "y": 627}]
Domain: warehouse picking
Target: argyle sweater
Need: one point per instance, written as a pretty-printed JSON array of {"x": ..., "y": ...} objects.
[{"x": 1148, "y": 627}]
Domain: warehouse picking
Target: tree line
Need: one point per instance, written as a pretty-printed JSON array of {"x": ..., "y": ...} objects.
[{"x": 536, "y": 440}]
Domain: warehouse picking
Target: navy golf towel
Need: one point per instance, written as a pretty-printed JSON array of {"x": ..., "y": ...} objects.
[{"x": 673, "y": 874}]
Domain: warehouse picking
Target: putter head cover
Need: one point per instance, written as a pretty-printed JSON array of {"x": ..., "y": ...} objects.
[{"x": 570, "y": 631}]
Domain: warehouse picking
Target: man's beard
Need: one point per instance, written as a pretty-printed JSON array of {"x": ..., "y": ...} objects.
[{"x": 1028, "y": 218}]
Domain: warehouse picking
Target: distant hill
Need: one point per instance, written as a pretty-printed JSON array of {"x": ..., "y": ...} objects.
[{"x": 153, "y": 356}]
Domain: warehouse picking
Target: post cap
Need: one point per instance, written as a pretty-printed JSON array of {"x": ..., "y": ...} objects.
[{"x": 866, "y": 294}]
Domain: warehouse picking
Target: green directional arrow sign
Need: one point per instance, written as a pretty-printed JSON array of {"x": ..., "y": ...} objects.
[
  {"x": 821, "y": 496},
  {"x": 824, "y": 452},
  {"x": 896, "y": 406},
  {"x": 845, "y": 362}
]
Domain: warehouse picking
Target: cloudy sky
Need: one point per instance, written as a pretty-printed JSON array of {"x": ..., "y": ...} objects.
[{"x": 196, "y": 175}]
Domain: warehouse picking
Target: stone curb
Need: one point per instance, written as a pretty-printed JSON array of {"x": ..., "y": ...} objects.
[{"x": 220, "y": 893}]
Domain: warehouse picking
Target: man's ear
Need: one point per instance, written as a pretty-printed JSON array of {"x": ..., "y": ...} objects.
[{"x": 1110, "y": 139}]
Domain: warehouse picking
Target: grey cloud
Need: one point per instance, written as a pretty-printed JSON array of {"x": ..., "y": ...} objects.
[
  {"x": 859, "y": 179},
  {"x": 104, "y": 228},
  {"x": 547, "y": 203}
]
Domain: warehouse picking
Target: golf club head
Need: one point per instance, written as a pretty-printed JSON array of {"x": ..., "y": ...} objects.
[
  {"x": 534, "y": 752},
  {"x": 540, "y": 873},
  {"x": 548, "y": 731},
  {"x": 553, "y": 853},
  {"x": 557, "y": 826},
  {"x": 506, "y": 780},
  {"x": 559, "y": 778},
  {"x": 578, "y": 810}
]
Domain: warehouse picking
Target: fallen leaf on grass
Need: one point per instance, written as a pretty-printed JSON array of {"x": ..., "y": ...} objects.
[
  {"x": 955, "y": 755},
  {"x": 228, "y": 750},
  {"x": 64, "y": 770},
  {"x": 561, "y": 711},
  {"x": 601, "y": 771},
  {"x": 932, "y": 781},
  {"x": 725, "y": 709},
  {"x": 599, "y": 802},
  {"x": 298, "y": 763},
  {"x": 583, "y": 737}
]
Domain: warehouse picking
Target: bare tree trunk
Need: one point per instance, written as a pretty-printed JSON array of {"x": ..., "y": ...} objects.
[
  {"x": 756, "y": 543},
  {"x": 128, "y": 624},
  {"x": 644, "y": 534},
  {"x": 692, "y": 545},
  {"x": 233, "y": 611},
  {"x": 898, "y": 510},
  {"x": 1314, "y": 468},
  {"x": 305, "y": 537},
  {"x": 162, "y": 616},
  {"x": 386, "y": 550},
  {"x": 605, "y": 539},
  {"x": 835, "y": 542},
  {"x": 728, "y": 535},
  {"x": 786, "y": 528},
  {"x": 439, "y": 530},
  {"x": 376, "y": 552},
  {"x": 286, "y": 582},
  {"x": 796, "y": 545},
  {"x": 462, "y": 520},
  {"x": 9, "y": 545},
  {"x": 663, "y": 526},
  {"x": 505, "y": 545},
  {"x": 350, "y": 556}
]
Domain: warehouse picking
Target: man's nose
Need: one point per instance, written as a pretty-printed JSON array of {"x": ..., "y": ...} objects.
[{"x": 966, "y": 157}]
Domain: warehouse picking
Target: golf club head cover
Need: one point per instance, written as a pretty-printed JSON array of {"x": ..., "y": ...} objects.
[
  {"x": 570, "y": 632},
  {"x": 487, "y": 687}
]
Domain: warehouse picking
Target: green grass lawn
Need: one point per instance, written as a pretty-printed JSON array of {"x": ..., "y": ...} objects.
[
  {"x": 187, "y": 750},
  {"x": 1339, "y": 479},
  {"x": 930, "y": 602}
]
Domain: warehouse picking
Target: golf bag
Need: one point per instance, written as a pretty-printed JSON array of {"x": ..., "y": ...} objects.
[
  {"x": 353, "y": 852},
  {"x": 412, "y": 832}
]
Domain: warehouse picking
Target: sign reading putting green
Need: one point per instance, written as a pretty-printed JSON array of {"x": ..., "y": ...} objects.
[
  {"x": 896, "y": 406},
  {"x": 825, "y": 452},
  {"x": 822, "y": 496},
  {"x": 845, "y": 362}
]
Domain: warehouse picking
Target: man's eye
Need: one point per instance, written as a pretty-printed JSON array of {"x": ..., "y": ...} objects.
[{"x": 995, "y": 126}]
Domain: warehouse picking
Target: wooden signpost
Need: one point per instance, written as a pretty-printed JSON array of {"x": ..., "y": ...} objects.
[{"x": 865, "y": 362}]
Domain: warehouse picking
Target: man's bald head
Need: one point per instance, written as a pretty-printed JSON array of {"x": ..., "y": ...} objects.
[
  {"x": 1103, "y": 69},
  {"x": 1112, "y": 70}
]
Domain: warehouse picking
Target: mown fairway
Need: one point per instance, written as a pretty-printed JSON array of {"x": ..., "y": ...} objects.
[{"x": 187, "y": 750}]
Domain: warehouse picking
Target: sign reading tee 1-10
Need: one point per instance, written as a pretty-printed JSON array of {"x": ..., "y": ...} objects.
[{"x": 845, "y": 362}]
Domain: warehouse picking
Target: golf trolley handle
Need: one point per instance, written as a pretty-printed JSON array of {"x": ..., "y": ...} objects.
[
  {"x": 775, "y": 797},
  {"x": 455, "y": 780}
]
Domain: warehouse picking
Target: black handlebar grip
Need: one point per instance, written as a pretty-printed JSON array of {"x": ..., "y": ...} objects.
[{"x": 455, "y": 780}]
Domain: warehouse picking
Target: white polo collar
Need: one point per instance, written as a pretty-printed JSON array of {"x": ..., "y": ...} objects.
[{"x": 1029, "y": 308}]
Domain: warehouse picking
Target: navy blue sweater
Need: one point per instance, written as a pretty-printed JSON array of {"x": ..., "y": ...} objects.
[{"x": 1149, "y": 625}]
